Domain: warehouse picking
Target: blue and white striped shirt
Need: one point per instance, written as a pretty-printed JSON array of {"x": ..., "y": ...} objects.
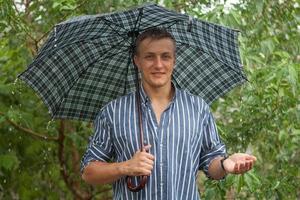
[{"x": 184, "y": 141}]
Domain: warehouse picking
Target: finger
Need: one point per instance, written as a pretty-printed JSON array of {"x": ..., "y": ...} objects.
[
  {"x": 247, "y": 165},
  {"x": 147, "y": 169},
  {"x": 142, "y": 172},
  {"x": 251, "y": 165},
  {"x": 250, "y": 157},
  {"x": 147, "y": 155},
  {"x": 148, "y": 166},
  {"x": 150, "y": 156},
  {"x": 146, "y": 172},
  {"x": 236, "y": 168},
  {"x": 149, "y": 162},
  {"x": 241, "y": 167}
]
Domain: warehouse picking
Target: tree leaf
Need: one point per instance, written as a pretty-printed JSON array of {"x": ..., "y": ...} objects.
[
  {"x": 293, "y": 78},
  {"x": 240, "y": 183},
  {"x": 259, "y": 6},
  {"x": 9, "y": 161}
]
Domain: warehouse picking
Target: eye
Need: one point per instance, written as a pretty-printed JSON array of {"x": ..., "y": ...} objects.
[
  {"x": 166, "y": 56},
  {"x": 148, "y": 56}
]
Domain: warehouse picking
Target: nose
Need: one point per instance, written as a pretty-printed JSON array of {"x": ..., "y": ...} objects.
[{"x": 158, "y": 62}]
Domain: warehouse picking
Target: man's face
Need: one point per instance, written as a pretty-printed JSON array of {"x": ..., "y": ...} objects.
[{"x": 156, "y": 59}]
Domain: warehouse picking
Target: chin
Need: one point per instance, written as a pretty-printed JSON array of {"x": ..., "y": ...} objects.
[{"x": 159, "y": 84}]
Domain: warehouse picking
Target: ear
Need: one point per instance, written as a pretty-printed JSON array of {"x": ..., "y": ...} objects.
[
  {"x": 174, "y": 62},
  {"x": 136, "y": 61}
]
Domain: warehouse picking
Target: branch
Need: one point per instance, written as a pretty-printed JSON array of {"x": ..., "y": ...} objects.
[
  {"x": 63, "y": 167},
  {"x": 63, "y": 18},
  {"x": 21, "y": 19},
  {"x": 75, "y": 159},
  {"x": 29, "y": 131}
]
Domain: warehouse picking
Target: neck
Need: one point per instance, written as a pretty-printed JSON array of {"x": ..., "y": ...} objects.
[{"x": 164, "y": 93}]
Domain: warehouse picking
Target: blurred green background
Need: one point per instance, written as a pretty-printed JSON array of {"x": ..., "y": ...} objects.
[{"x": 39, "y": 158}]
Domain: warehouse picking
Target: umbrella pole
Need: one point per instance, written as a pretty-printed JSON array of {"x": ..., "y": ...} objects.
[
  {"x": 143, "y": 181},
  {"x": 133, "y": 34}
]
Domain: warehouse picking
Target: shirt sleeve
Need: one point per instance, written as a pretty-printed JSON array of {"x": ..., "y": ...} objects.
[
  {"x": 100, "y": 144},
  {"x": 212, "y": 145}
]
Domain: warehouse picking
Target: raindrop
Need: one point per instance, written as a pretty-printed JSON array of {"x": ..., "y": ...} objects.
[
  {"x": 55, "y": 45},
  {"x": 49, "y": 149},
  {"x": 36, "y": 189},
  {"x": 9, "y": 150},
  {"x": 9, "y": 144},
  {"x": 20, "y": 137},
  {"x": 15, "y": 81},
  {"x": 10, "y": 128},
  {"x": 4, "y": 181},
  {"x": 45, "y": 137},
  {"x": 13, "y": 93},
  {"x": 49, "y": 123}
]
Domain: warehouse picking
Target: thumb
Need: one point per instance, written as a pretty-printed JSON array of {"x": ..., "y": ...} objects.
[{"x": 147, "y": 147}]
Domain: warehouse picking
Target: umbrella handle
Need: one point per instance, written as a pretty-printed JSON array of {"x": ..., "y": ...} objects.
[{"x": 137, "y": 188}]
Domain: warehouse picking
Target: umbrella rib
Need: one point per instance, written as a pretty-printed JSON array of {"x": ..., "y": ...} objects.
[
  {"x": 57, "y": 108},
  {"x": 138, "y": 20},
  {"x": 232, "y": 68},
  {"x": 174, "y": 22},
  {"x": 107, "y": 22}
]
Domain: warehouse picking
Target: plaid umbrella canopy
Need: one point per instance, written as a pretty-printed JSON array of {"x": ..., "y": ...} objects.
[{"x": 86, "y": 61}]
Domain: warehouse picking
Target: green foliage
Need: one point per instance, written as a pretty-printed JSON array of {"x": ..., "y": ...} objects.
[
  {"x": 261, "y": 117},
  {"x": 9, "y": 161}
]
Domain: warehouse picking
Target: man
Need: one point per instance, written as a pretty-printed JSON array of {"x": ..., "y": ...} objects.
[{"x": 179, "y": 131}]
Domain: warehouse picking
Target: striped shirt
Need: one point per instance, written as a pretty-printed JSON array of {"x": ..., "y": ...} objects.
[{"x": 183, "y": 142}]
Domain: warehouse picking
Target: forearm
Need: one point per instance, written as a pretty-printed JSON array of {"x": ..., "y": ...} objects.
[
  {"x": 215, "y": 170},
  {"x": 102, "y": 173}
]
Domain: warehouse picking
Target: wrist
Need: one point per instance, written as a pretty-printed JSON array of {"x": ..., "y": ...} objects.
[
  {"x": 122, "y": 168},
  {"x": 222, "y": 161}
]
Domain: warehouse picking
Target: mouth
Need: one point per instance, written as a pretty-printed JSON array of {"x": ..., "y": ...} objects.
[{"x": 158, "y": 73}]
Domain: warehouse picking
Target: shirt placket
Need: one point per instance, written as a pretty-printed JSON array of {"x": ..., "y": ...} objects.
[{"x": 161, "y": 154}]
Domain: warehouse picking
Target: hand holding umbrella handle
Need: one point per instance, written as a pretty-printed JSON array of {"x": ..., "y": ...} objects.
[
  {"x": 137, "y": 188},
  {"x": 143, "y": 180}
]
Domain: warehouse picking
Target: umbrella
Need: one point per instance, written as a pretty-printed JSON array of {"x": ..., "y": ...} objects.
[{"x": 87, "y": 61}]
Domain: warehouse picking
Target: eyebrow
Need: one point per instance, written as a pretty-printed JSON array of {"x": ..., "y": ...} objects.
[{"x": 155, "y": 53}]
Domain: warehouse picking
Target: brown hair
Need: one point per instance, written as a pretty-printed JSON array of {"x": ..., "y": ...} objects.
[{"x": 155, "y": 33}]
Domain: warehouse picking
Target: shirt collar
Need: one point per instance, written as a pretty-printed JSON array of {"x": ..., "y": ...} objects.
[
  {"x": 145, "y": 99},
  {"x": 144, "y": 96}
]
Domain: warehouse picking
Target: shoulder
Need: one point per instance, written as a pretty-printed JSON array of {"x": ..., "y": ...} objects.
[
  {"x": 196, "y": 103},
  {"x": 113, "y": 106},
  {"x": 194, "y": 100}
]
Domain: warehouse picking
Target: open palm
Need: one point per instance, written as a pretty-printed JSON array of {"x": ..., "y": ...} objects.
[{"x": 239, "y": 163}]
